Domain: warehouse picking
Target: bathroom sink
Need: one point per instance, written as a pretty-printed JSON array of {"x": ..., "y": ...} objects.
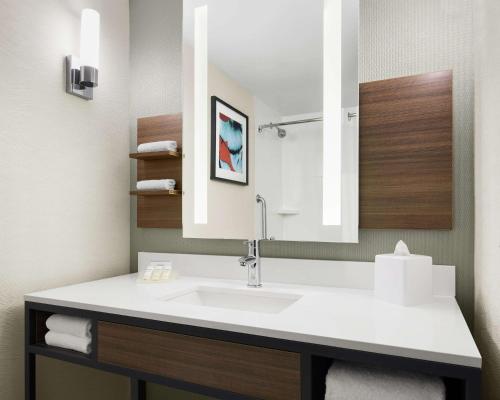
[{"x": 255, "y": 300}]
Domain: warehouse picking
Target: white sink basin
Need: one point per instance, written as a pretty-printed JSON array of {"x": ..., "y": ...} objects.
[{"x": 255, "y": 300}]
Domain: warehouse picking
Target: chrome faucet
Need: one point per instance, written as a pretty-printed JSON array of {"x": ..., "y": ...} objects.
[
  {"x": 263, "y": 215},
  {"x": 252, "y": 262},
  {"x": 252, "y": 259}
]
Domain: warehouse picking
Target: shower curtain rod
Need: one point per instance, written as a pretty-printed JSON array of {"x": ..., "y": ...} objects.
[
  {"x": 298, "y": 121},
  {"x": 350, "y": 115}
]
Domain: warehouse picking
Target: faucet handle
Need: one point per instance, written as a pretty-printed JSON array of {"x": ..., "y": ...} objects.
[
  {"x": 247, "y": 261},
  {"x": 242, "y": 261}
]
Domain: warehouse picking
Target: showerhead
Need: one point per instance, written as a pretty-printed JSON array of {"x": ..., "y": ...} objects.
[{"x": 281, "y": 132}]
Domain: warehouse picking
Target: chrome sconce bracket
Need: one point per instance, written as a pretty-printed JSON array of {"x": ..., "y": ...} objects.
[{"x": 80, "y": 80}]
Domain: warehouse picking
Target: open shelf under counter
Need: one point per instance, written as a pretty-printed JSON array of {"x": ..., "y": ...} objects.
[
  {"x": 156, "y": 155},
  {"x": 174, "y": 192},
  {"x": 59, "y": 353}
]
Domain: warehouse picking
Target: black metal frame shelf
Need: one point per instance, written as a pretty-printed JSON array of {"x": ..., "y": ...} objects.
[{"x": 463, "y": 383}]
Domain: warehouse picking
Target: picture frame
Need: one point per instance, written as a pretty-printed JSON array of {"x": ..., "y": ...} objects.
[{"x": 229, "y": 145}]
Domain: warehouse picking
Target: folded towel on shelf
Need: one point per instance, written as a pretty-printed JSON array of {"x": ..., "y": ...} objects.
[
  {"x": 346, "y": 381},
  {"x": 164, "y": 145},
  {"x": 79, "y": 327},
  {"x": 80, "y": 344},
  {"x": 156, "y": 184}
]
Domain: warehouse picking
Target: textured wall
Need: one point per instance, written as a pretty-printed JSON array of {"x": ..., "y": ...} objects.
[
  {"x": 487, "y": 165},
  {"x": 397, "y": 38},
  {"x": 64, "y": 208}
]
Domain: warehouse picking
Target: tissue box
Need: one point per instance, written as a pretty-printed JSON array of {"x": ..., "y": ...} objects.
[{"x": 404, "y": 280}]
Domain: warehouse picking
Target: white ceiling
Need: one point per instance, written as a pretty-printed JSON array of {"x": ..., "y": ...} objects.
[{"x": 273, "y": 48}]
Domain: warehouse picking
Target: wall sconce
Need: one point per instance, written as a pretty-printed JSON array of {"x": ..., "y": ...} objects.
[{"x": 82, "y": 73}]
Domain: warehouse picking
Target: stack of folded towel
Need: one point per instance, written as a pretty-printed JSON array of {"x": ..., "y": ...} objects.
[
  {"x": 164, "y": 145},
  {"x": 346, "y": 381},
  {"x": 69, "y": 333},
  {"x": 156, "y": 184}
]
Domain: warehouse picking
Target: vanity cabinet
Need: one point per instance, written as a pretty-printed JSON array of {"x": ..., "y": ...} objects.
[
  {"x": 253, "y": 371},
  {"x": 222, "y": 364}
]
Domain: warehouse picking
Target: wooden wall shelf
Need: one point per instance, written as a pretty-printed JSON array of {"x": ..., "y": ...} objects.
[
  {"x": 159, "y": 208},
  {"x": 156, "y": 192},
  {"x": 156, "y": 155}
]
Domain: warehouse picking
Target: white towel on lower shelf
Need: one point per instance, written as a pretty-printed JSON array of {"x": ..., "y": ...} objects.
[
  {"x": 346, "y": 381},
  {"x": 156, "y": 184},
  {"x": 75, "y": 326},
  {"x": 164, "y": 145},
  {"x": 82, "y": 345}
]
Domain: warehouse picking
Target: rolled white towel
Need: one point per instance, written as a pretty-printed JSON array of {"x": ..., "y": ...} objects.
[
  {"x": 346, "y": 381},
  {"x": 156, "y": 184},
  {"x": 79, "y": 327},
  {"x": 164, "y": 145},
  {"x": 80, "y": 344}
]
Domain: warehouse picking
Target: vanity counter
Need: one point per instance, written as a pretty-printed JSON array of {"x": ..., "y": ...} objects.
[{"x": 344, "y": 318}]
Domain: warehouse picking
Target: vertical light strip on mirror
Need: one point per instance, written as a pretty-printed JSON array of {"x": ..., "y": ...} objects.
[
  {"x": 332, "y": 112},
  {"x": 200, "y": 114}
]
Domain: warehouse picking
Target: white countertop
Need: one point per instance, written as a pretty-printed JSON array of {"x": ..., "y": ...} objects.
[{"x": 347, "y": 318}]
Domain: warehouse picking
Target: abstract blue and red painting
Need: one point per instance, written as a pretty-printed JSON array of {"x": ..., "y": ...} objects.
[
  {"x": 229, "y": 153},
  {"x": 230, "y": 144}
]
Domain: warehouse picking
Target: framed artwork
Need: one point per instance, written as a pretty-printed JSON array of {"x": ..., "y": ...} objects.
[{"x": 229, "y": 153}]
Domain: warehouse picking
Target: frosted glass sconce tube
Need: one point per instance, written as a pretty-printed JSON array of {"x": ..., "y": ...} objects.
[
  {"x": 82, "y": 74},
  {"x": 89, "y": 48}
]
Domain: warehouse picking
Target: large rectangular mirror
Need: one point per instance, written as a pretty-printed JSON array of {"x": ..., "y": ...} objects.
[{"x": 270, "y": 92}]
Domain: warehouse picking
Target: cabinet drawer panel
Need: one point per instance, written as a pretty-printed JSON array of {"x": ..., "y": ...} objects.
[{"x": 248, "y": 370}]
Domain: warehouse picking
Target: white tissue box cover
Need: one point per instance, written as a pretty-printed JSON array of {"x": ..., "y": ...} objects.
[{"x": 404, "y": 280}]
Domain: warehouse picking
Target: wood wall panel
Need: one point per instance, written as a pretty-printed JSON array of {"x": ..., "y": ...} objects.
[
  {"x": 160, "y": 127},
  {"x": 160, "y": 211},
  {"x": 256, "y": 372},
  {"x": 406, "y": 152},
  {"x": 160, "y": 169}
]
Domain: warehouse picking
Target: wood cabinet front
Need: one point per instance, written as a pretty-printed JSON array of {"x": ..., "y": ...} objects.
[{"x": 252, "y": 371}]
